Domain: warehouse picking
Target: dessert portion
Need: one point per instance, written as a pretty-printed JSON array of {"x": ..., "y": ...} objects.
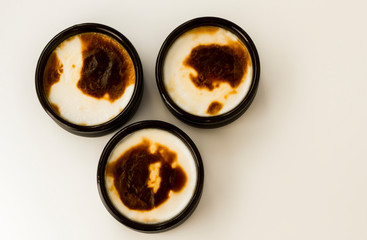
[
  {"x": 150, "y": 176},
  {"x": 207, "y": 71},
  {"x": 89, "y": 79}
]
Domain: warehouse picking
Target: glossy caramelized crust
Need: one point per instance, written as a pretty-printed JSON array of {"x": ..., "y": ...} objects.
[
  {"x": 143, "y": 178},
  {"x": 107, "y": 68}
]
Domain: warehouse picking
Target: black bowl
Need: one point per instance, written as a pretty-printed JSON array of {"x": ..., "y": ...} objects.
[
  {"x": 209, "y": 121},
  {"x": 192, "y": 204},
  {"x": 122, "y": 117}
]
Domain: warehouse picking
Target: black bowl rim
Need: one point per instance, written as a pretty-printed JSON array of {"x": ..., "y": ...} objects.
[
  {"x": 210, "y": 121},
  {"x": 122, "y": 117},
  {"x": 191, "y": 206}
]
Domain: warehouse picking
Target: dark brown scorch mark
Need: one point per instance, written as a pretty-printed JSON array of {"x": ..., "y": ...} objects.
[
  {"x": 214, "y": 108},
  {"x": 52, "y": 73},
  {"x": 107, "y": 68},
  {"x": 216, "y": 64},
  {"x": 131, "y": 176}
]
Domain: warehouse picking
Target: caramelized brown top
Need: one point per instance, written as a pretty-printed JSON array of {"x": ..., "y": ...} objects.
[
  {"x": 204, "y": 30},
  {"x": 144, "y": 179},
  {"x": 214, "y": 108},
  {"x": 52, "y": 72},
  {"x": 55, "y": 108},
  {"x": 106, "y": 72},
  {"x": 216, "y": 64},
  {"x": 107, "y": 68}
]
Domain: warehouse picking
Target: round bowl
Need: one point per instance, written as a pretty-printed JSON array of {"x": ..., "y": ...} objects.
[
  {"x": 105, "y": 126},
  {"x": 177, "y": 46},
  {"x": 124, "y": 180}
]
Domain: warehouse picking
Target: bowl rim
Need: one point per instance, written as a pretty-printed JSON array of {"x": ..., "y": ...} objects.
[
  {"x": 190, "y": 207},
  {"x": 123, "y": 116},
  {"x": 210, "y": 121}
]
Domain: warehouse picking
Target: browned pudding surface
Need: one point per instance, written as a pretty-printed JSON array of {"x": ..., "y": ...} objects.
[
  {"x": 55, "y": 108},
  {"x": 216, "y": 64},
  {"x": 107, "y": 68},
  {"x": 52, "y": 72},
  {"x": 214, "y": 107},
  {"x": 138, "y": 185},
  {"x": 205, "y": 30}
]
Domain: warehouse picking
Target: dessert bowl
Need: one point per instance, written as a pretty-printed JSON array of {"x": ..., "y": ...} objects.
[
  {"x": 150, "y": 176},
  {"x": 89, "y": 79},
  {"x": 207, "y": 72}
]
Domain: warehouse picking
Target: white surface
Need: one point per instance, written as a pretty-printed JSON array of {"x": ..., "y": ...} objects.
[{"x": 292, "y": 167}]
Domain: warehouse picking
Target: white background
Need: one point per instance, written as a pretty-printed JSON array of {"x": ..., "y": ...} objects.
[{"x": 294, "y": 166}]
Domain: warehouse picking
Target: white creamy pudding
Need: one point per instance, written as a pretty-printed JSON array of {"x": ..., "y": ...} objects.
[
  {"x": 151, "y": 176},
  {"x": 207, "y": 71},
  {"x": 89, "y": 79}
]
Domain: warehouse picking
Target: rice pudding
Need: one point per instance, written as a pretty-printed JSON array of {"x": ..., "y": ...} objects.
[
  {"x": 89, "y": 79},
  {"x": 207, "y": 71},
  {"x": 151, "y": 176}
]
